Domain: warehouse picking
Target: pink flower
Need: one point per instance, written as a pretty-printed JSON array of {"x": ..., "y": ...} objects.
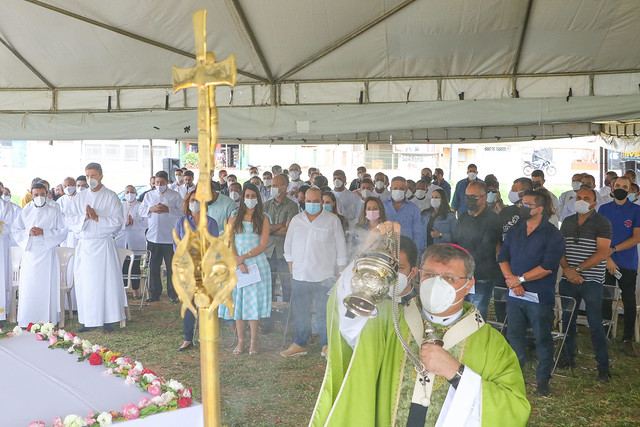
[
  {"x": 10, "y": 334},
  {"x": 130, "y": 411},
  {"x": 53, "y": 340},
  {"x": 68, "y": 336},
  {"x": 144, "y": 402},
  {"x": 39, "y": 337},
  {"x": 90, "y": 421},
  {"x": 127, "y": 361},
  {"x": 57, "y": 422},
  {"x": 134, "y": 372},
  {"x": 154, "y": 390},
  {"x": 37, "y": 424}
]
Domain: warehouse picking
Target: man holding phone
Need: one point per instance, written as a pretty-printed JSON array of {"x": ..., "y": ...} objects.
[{"x": 622, "y": 264}]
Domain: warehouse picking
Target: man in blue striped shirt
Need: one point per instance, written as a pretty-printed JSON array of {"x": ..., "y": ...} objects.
[{"x": 587, "y": 236}]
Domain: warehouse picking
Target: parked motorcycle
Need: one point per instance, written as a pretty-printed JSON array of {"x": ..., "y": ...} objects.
[{"x": 542, "y": 164}]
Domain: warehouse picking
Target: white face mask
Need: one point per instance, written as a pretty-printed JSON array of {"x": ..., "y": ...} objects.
[
  {"x": 267, "y": 183},
  {"x": 162, "y": 188},
  {"x": 39, "y": 201},
  {"x": 437, "y": 295},
  {"x": 420, "y": 194},
  {"x": 295, "y": 174},
  {"x": 130, "y": 197},
  {"x": 275, "y": 192},
  {"x": 513, "y": 197},
  {"x": 435, "y": 203},
  {"x": 472, "y": 175},
  {"x": 235, "y": 196},
  {"x": 379, "y": 185},
  {"x": 93, "y": 183},
  {"x": 575, "y": 185},
  {"x": 194, "y": 206},
  {"x": 251, "y": 203},
  {"x": 337, "y": 183},
  {"x": 397, "y": 195},
  {"x": 6, "y": 197},
  {"x": 360, "y": 175},
  {"x": 81, "y": 188},
  {"x": 252, "y": 175},
  {"x": 582, "y": 207},
  {"x": 403, "y": 281},
  {"x": 70, "y": 191},
  {"x": 179, "y": 178},
  {"x": 365, "y": 193},
  {"x": 409, "y": 194}
]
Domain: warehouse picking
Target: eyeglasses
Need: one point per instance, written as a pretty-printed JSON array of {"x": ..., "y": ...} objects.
[
  {"x": 529, "y": 205},
  {"x": 446, "y": 277},
  {"x": 492, "y": 191}
]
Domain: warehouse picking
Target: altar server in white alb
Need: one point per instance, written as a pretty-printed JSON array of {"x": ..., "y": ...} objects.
[
  {"x": 38, "y": 230},
  {"x": 96, "y": 217},
  {"x": 7, "y": 216}
]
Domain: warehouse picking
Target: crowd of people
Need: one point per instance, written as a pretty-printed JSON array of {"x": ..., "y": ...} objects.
[{"x": 297, "y": 236}]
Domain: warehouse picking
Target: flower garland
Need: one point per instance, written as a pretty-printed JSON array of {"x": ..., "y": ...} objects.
[{"x": 166, "y": 396}]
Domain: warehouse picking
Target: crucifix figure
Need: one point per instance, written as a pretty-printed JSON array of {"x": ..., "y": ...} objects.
[{"x": 203, "y": 265}]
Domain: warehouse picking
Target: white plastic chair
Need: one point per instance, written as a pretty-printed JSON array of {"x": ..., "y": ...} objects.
[
  {"x": 124, "y": 254},
  {"x": 64, "y": 257},
  {"x": 16, "y": 259},
  {"x": 145, "y": 257}
]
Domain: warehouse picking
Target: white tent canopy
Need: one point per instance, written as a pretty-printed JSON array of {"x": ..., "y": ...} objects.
[{"x": 350, "y": 71}]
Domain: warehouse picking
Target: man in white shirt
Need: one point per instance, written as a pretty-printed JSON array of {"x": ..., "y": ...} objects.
[
  {"x": 295, "y": 182},
  {"x": 365, "y": 190},
  {"x": 162, "y": 207},
  {"x": 313, "y": 246},
  {"x": 38, "y": 230},
  {"x": 179, "y": 180},
  {"x": 421, "y": 199},
  {"x": 349, "y": 204},
  {"x": 566, "y": 201},
  {"x": 132, "y": 234},
  {"x": 380, "y": 187},
  {"x": 187, "y": 185},
  {"x": 7, "y": 216},
  {"x": 95, "y": 216},
  {"x": 70, "y": 191}
]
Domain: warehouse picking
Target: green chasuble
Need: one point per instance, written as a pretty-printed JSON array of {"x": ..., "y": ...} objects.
[{"x": 367, "y": 386}]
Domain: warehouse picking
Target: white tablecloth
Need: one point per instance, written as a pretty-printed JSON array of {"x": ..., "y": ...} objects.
[{"x": 41, "y": 384}]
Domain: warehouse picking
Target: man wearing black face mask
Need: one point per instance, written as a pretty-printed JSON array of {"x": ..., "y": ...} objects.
[
  {"x": 529, "y": 261},
  {"x": 479, "y": 231},
  {"x": 537, "y": 178},
  {"x": 622, "y": 264}
]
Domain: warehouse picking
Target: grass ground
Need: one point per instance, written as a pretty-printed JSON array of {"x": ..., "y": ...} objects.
[{"x": 266, "y": 389}]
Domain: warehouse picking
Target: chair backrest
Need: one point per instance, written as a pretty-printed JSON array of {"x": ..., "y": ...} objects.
[
  {"x": 500, "y": 294},
  {"x": 124, "y": 254},
  {"x": 16, "y": 259},
  {"x": 64, "y": 257},
  {"x": 563, "y": 305}
]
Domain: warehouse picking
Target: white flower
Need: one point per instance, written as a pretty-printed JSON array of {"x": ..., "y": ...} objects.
[
  {"x": 157, "y": 400},
  {"x": 138, "y": 366},
  {"x": 167, "y": 397},
  {"x": 175, "y": 385},
  {"x": 61, "y": 333},
  {"x": 186, "y": 392},
  {"x": 70, "y": 350},
  {"x": 86, "y": 344},
  {"x": 77, "y": 341},
  {"x": 35, "y": 328},
  {"x": 130, "y": 380},
  {"x": 95, "y": 348},
  {"x": 105, "y": 419},
  {"x": 149, "y": 377},
  {"x": 17, "y": 330},
  {"x": 46, "y": 328},
  {"x": 119, "y": 361},
  {"x": 74, "y": 420}
]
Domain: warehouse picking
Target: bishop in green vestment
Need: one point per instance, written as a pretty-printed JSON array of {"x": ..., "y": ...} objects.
[{"x": 370, "y": 381}]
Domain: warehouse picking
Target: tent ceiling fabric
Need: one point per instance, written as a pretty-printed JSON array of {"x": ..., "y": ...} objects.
[{"x": 488, "y": 59}]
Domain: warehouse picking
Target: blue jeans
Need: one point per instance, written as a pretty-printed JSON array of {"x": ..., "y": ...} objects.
[
  {"x": 303, "y": 295},
  {"x": 540, "y": 316},
  {"x": 480, "y": 300},
  {"x": 591, "y": 293}
]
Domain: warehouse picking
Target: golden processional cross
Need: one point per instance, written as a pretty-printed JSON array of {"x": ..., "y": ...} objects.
[{"x": 204, "y": 266}]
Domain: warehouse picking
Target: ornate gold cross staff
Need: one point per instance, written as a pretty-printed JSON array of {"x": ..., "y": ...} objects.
[{"x": 204, "y": 266}]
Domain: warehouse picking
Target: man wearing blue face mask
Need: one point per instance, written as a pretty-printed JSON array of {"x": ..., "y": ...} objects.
[
  {"x": 314, "y": 244},
  {"x": 399, "y": 209}
]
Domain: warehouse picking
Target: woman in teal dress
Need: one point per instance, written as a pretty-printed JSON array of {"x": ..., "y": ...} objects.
[{"x": 250, "y": 227}]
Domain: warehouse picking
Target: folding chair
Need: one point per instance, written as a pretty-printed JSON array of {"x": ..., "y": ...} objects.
[
  {"x": 613, "y": 294},
  {"x": 564, "y": 305},
  {"x": 499, "y": 297},
  {"x": 145, "y": 256},
  {"x": 16, "y": 259},
  {"x": 64, "y": 257},
  {"x": 124, "y": 254}
]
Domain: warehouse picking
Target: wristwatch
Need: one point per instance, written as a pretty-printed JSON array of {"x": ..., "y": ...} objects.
[
  {"x": 613, "y": 249},
  {"x": 521, "y": 279},
  {"x": 456, "y": 378},
  {"x": 578, "y": 269}
]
